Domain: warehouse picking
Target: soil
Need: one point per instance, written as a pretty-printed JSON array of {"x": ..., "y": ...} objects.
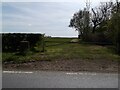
[{"x": 66, "y": 65}]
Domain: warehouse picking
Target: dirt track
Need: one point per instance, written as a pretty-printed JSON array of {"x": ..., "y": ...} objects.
[{"x": 66, "y": 65}]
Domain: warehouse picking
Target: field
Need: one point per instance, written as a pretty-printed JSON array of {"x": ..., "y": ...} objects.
[{"x": 60, "y": 51}]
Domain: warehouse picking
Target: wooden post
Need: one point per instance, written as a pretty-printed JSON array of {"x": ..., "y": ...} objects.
[{"x": 43, "y": 43}]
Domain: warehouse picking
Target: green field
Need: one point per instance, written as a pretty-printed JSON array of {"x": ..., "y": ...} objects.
[{"x": 63, "y": 49}]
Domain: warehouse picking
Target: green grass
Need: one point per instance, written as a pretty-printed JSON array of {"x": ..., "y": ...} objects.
[{"x": 61, "y": 48}]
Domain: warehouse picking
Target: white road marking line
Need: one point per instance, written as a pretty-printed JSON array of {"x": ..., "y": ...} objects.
[
  {"x": 72, "y": 73},
  {"x": 16, "y": 72},
  {"x": 81, "y": 73}
]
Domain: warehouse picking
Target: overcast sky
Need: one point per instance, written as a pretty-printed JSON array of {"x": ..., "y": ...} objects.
[{"x": 51, "y": 17}]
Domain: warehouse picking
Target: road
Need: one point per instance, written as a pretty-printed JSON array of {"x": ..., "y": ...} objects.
[{"x": 47, "y": 79}]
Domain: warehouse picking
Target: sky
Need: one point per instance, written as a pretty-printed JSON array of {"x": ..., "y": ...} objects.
[{"x": 32, "y": 16}]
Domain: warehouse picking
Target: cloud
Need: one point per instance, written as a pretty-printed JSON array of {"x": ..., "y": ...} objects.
[
  {"x": 50, "y": 0},
  {"x": 41, "y": 0},
  {"x": 51, "y": 18},
  {"x": 0, "y": 17}
]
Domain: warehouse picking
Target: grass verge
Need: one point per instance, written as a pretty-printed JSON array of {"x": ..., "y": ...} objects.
[{"x": 61, "y": 48}]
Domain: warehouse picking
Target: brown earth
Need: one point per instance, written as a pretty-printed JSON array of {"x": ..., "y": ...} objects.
[{"x": 66, "y": 65}]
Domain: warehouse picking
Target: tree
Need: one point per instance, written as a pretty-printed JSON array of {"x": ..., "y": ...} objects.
[
  {"x": 80, "y": 22},
  {"x": 115, "y": 27},
  {"x": 104, "y": 22},
  {"x": 101, "y": 14}
]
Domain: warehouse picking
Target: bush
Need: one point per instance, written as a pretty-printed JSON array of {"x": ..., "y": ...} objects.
[
  {"x": 11, "y": 42},
  {"x": 97, "y": 38}
]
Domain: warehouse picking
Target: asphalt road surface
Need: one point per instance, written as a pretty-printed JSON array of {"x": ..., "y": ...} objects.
[{"x": 47, "y": 79}]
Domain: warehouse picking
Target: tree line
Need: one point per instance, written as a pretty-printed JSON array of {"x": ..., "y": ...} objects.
[{"x": 99, "y": 25}]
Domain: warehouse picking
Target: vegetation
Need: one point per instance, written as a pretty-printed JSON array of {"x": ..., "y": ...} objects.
[
  {"x": 99, "y": 25},
  {"x": 99, "y": 37},
  {"x": 13, "y": 42},
  {"x": 63, "y": 49}
]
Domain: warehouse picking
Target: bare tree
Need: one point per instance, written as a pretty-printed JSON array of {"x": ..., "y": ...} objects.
[{"x": 101, "y": 14}]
